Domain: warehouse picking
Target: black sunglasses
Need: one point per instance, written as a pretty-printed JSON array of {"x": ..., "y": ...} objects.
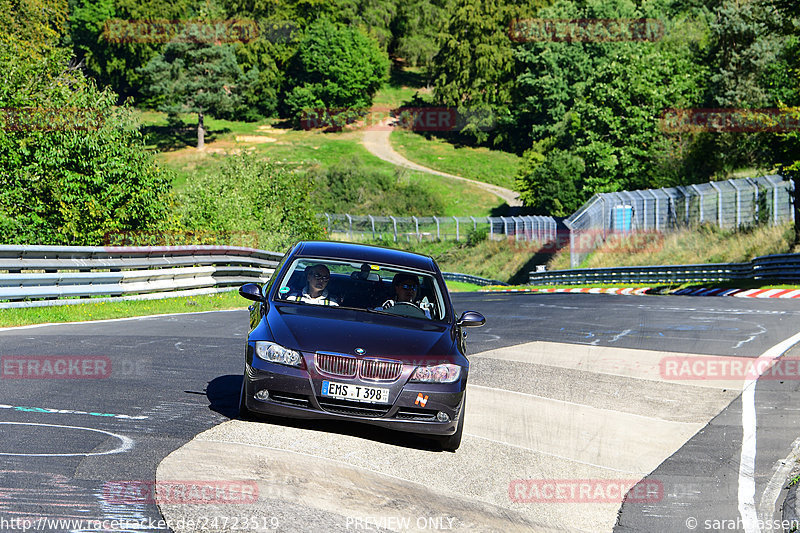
[{"x": 409, "y": 286}]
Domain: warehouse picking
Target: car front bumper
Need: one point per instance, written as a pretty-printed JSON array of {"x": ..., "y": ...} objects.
[{"x": 296, "y": 393}]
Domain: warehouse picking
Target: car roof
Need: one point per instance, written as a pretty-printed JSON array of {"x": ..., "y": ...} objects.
[{"x": 364, "y": 252}]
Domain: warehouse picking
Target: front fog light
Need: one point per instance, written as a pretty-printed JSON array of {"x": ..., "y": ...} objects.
[
  {"x": 263, "y": 394},
  {"x": 442, "y": 417}
]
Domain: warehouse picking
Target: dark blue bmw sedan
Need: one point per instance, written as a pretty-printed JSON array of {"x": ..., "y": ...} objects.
[{"x": 354, "y": 332}]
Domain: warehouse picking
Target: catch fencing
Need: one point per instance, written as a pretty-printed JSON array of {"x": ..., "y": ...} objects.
[
  {"x": 390, "y": 228},
  {"x": 726, "y": 204}
]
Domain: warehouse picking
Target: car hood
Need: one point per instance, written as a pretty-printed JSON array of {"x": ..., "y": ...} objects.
[{"x": 312, "y": 328}]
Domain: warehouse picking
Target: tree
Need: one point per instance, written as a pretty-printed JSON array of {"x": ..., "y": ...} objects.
[
  {"x": 72, "y": 166},
  {"x": 416, "y": 28},
  {"x": 594, "y": 108},
  {"x": 108, "y": 55},
  {"x": 335, "y": 68},
  {"x": 473, "y": 67},
  {"x": 191, "y": 76}
]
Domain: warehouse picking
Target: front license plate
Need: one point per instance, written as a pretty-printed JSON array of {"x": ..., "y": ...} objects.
[{"x": 357, "y": 393}]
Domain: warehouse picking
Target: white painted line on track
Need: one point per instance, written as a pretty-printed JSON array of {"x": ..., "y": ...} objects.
[
  {"x": 747, "y": 460},
  {"x": 31, "y": 326},
  {"x": 126, "y": 442}
]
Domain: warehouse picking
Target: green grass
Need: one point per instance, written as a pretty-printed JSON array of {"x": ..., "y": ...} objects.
[
  {"x": 481, "y": 164},
  {"x": 460, "y": 286},
  {"x": 304, "y": 150},
  {"x": 121, "y": 309}
]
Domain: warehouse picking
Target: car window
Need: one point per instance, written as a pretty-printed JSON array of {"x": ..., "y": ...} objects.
[{"x": 366, "y": 286}]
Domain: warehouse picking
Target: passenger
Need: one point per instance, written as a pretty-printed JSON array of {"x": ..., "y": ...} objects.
[
  {"x": 315, "y": 291},
  {"x": 406, "y": 287}
]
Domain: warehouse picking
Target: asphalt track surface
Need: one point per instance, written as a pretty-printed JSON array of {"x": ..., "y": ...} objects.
[{"x": 563, "y": 387}]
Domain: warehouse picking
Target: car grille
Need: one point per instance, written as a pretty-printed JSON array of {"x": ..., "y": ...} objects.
[
  {"x": 381, "y": 370},
  {"x": 337, "y": 365},
  {"x": 348, "y": 366},
  {"x": 353, "y": 408}
]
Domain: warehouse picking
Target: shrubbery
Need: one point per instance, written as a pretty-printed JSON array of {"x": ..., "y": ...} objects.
[
  {"x": 352, "y": 188},
  {"x": 252, "y": 195}
]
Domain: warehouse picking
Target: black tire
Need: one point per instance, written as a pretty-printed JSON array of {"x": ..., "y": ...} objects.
[
  {"x": 452, "y": 442},
  {"x": 244, "y": 412}
]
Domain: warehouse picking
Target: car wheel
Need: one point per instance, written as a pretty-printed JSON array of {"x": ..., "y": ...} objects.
[
  {"x": 244, "y": 412},
  {"x": 452, "y": 442}
]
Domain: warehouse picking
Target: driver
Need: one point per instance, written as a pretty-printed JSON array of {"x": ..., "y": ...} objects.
[
  {"x": 405, "y": 287},
  {"x": 315, "y": 291}
]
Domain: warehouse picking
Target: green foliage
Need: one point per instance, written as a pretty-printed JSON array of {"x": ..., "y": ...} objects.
[
  {"x": 108, "y": 59},
  {"x": 472, "y": 70},
  {"x": 352, "y": 188},
  {"x": 593, "y": 109},
  {"x": 251, "y": 195},
  {"x": 334, "y": 68},
  {"x": 416, "y": 28},
  {"x": 73, "y": 166},
  {"x": 550, "y": 185}
]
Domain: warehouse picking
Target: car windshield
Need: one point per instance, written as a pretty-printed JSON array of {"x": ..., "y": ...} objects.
[{"x": 366, "y": 286}]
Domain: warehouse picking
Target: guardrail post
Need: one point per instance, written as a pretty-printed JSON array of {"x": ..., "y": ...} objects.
[
  {"x": 474, "y": 224},
  {"x": 457, "y": 236},
  {"x": 491, "y": 228},
  {"x": 328, "y": 217},
  {"x": 438, "y": 237},
  {"x": 416, "y": 227},
  {"x": 372, "y": 222},
  {"x": 349, "y": 226},
  {"x": 394, "y": 224}
]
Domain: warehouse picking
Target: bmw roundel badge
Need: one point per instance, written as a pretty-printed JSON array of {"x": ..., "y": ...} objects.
[{"x": 360, "y": 351}]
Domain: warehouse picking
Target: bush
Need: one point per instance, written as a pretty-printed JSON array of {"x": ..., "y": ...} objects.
[
  {"x": 74, "y": 167},
  {"x": 251, "y": 195},
  {"x": 349, "y": 187}
]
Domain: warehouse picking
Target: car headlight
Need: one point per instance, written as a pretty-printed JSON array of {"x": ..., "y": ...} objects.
[
  {"x": 275, "y": 353},
  {"x": 437, "y": 374}
]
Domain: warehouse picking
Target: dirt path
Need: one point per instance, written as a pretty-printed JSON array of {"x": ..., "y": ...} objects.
[{"x": 376, "y": 140}]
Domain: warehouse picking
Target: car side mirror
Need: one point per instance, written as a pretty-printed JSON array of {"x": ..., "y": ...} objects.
[
  {"x": 251, "y": 291},
  {"x": 471, "y": 319}
]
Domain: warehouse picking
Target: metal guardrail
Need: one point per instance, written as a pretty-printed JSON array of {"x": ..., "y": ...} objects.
[
  {"x": 475, "y": 280},
  {"x": 778, "y": 267},
  {"x": 32, "y": 276}
]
